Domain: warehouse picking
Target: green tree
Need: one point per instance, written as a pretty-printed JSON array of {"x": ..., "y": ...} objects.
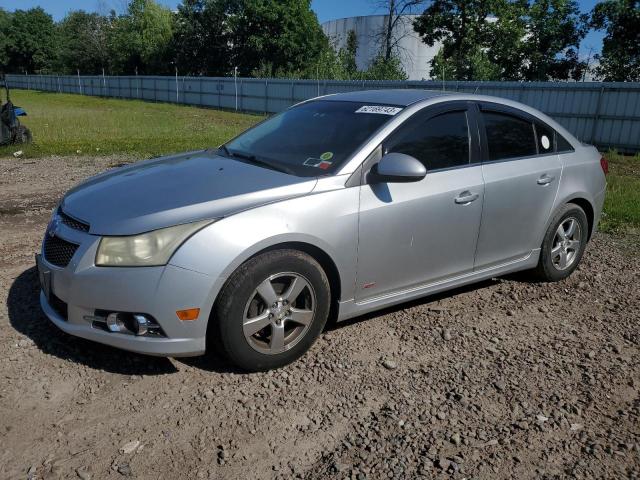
[
  {"x": 341, "y": 65},
  {"x": 202, "y": 36},
  {"x": 83, "y": 43},
  {"x": 142, "y": 38},
  {"x": 461, "y": 27},
  {"x": 505, "y": 39},
  {"x": 328, "y": 65},
  {"x": 284, "y": 34},
  {"x": 479, "y": 62},
  {"x": 5, "y": 22},
  {"x": 347, "y": 55},
  {"x": 259, "y": 37},
  {"x": 382, "y": 68},
  {"x": 29, "y": 41},
  {"x": 620, "y": 58},
  {"x": 555, "y": 29},
  {"x": 441, "y": 69}
]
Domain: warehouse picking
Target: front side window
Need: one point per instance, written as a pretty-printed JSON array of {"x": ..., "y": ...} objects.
[
  {"x": 438, "y": 142},
  {"x": 508, "y": 136},
  {"x": 312, "y": 139}
]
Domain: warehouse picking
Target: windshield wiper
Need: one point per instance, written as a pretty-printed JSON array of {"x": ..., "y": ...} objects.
[
  {"x": 255, "y": 160},
  {"x": 226, "y": 151}
]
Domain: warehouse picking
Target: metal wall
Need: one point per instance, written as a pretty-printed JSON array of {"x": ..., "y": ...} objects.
[{"x": 603, "y": 114}]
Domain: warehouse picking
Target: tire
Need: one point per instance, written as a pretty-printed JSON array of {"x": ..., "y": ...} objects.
[
  {"x": 287, "y": 325},
  {"x": 23, "y": 135},
  {"x": 560, "y": 256}
]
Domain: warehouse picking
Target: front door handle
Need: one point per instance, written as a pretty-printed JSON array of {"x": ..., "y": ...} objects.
[
  {"x": 545, "y": 179},
  {"x": 466, "y": 197}
]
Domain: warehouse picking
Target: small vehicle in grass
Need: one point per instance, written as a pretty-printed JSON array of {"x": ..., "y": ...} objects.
[
  {"x": 338, "y": 206},
  {"x": 12, "y": 132}
]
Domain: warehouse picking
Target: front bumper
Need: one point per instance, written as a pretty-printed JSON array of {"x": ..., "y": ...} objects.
[
  {"x": 165, "y": 347},
  {"x": 84, "y": 289}
]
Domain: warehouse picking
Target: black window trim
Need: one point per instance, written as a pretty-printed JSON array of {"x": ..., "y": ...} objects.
[
  {"x": 522, "y": 115},
  {"x": 359, "y": 176},
  {"x": 506, "y": 110},
  {"x": 555, "y": 140},
  {"x": 436, "y": 110},
  {"x": 554, "y": 144}
]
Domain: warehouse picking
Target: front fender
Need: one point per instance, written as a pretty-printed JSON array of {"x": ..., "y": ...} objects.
[{"x": 326, "y": 220}]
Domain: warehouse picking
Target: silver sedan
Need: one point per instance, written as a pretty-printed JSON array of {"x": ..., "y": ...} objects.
[{"x": 338, "y": 206}]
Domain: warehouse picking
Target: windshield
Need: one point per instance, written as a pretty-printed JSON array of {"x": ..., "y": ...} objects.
[{"x": 312, "y": 139}]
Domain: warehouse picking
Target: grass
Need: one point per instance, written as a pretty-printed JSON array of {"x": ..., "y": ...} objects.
[
  {"x": 622, "y": 203},
  {"x": 64, "y": 124}
]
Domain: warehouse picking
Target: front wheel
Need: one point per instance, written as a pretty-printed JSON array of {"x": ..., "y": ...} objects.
[
  {"x": 271, "y": 310},
  {"x": 564, "y": 244}
]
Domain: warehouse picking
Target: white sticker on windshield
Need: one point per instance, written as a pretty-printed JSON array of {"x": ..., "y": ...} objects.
[{"x": 381, "y": 109}]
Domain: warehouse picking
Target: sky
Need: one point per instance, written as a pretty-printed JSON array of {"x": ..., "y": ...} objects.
[{"x": 325, "y": 9}]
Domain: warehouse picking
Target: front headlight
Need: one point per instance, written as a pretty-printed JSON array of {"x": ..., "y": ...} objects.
[{"x": 148, "y": 249}]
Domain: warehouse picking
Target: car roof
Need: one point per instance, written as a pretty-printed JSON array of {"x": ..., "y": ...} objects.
[{"x": 399, "y": 97}]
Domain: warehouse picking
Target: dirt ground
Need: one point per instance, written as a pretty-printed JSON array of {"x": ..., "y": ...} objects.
[{"x": 505, "y": 379}]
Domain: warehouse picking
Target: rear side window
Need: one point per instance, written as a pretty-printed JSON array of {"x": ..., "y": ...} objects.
[
  {"x": 438, "y": 142},
  {"x": 508, "y": 136},
  {"x": 545, "y": 137},
  {"x": 562, "y": 144}
]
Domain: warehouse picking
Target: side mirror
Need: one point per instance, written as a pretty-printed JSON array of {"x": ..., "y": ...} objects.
[{"x": 397, "y": 168}]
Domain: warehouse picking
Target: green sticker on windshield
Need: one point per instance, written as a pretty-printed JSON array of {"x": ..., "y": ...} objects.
[{"x": 326, "y": 156}]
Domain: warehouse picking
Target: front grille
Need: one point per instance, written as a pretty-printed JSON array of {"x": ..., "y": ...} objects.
[
  {"x": 72, "y": 222},
  {"x": 57, "y": 251},
  {"x": 59, "y": 306}
]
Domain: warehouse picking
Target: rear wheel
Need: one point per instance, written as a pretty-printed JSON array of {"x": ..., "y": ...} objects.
[
  {"x": 272, "y": 309},
  {"x": 563, "y": 244}
]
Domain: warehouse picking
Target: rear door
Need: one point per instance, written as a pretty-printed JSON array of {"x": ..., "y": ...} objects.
[
  {"x": 521, "y": 171},
  {"x": 416, "y": 233}
]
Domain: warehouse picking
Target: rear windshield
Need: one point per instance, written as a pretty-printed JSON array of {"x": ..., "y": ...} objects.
[{"x": 312, "y": 139}]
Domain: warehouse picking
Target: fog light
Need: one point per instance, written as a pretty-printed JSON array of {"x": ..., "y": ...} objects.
[
  {"x": 115, "y": 323},
  {"x": 141, "y": 324}
]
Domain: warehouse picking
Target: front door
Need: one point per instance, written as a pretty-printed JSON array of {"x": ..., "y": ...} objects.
[{"x": 411, "y": 234}]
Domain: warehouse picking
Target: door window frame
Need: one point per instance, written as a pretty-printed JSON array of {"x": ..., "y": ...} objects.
[
  {"x": 490, "y": 107},
  {"x": 359, "y": 177}
]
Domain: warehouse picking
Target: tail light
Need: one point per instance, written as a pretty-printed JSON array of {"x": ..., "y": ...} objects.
[{"x": 605, "y": 165}]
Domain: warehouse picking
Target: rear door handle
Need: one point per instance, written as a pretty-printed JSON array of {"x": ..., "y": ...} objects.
[
  {"x": 545, "y": 179},
  {"x": 466, "y": 197}
]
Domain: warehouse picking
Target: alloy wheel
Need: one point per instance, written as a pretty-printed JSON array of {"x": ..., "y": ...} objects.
[
  {"x": 279, "y": 313},
  {"x": 566, "y": 243}
]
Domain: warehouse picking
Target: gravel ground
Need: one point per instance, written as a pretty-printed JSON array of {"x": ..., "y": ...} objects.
[{"x": 505, "y": 379}]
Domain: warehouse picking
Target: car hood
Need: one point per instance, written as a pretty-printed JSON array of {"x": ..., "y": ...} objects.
[{"x": 177, "y": 189}]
